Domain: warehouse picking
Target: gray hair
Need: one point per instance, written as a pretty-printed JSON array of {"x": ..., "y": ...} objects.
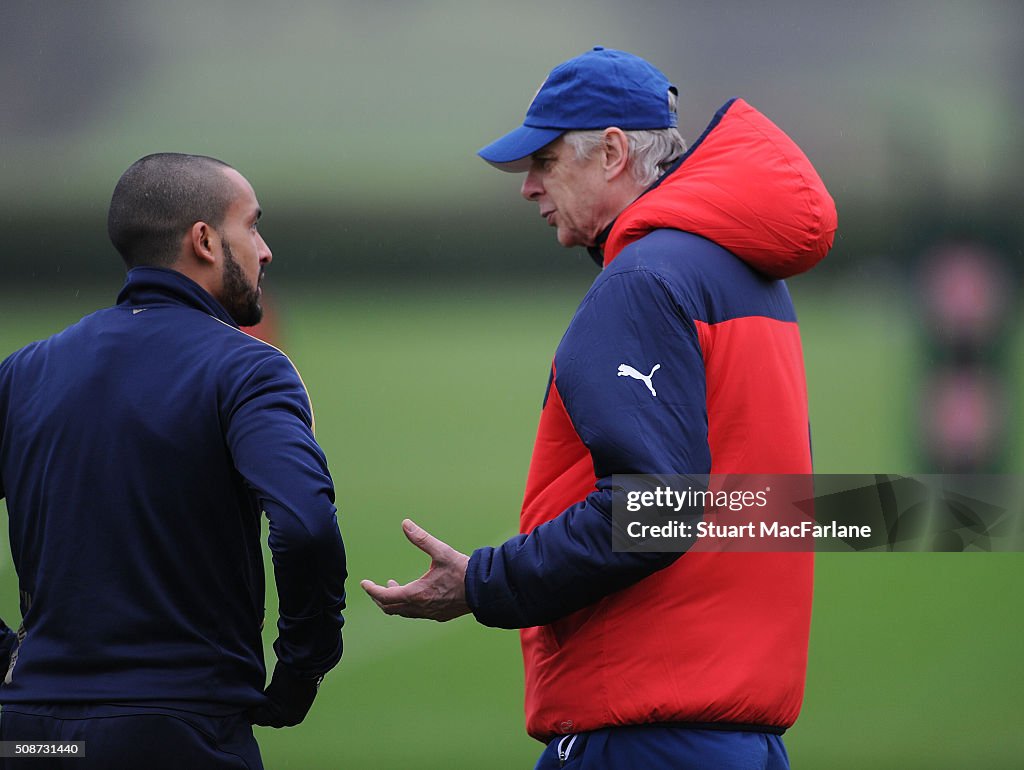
[{"x": 651, "y": 152}]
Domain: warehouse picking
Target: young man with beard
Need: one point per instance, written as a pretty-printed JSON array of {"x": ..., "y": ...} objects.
[
  {"x": 683, "y": 358},
  {"x": 139, "y": 448}
]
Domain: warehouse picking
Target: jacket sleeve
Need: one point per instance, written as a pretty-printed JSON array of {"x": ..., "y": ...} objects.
[
  {"x": 8, "y": 641},
  {"x": 270, "y": 435},
  {"x": 630, "y": 426},
  {"x": 8, "y": 638}
]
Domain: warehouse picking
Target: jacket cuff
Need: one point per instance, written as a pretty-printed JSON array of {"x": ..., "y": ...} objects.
[{"x": 491, "y": 602}]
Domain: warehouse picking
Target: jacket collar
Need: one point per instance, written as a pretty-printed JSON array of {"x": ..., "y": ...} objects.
[
  {"x": 163, "y": 286},
  {"x": 596, "y": 251}
]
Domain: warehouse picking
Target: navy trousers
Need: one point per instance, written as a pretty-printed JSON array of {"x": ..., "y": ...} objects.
[
  {"x": 665, "y": 747},
  {"x": 132, "y": 738}
]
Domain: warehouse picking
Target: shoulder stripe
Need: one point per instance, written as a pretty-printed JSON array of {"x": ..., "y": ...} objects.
[{"x": 309, "y": 401}]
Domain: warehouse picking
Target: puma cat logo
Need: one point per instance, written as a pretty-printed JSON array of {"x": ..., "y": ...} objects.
[{"x": 625, "y": 370}]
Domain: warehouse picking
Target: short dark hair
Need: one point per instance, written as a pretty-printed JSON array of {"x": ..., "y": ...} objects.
[{"x": 158, "y": 199}]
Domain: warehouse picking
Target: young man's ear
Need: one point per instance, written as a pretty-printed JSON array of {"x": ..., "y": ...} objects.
[
  {"x": 205, "y": 242},
  {"x": 616, "y": 152}
]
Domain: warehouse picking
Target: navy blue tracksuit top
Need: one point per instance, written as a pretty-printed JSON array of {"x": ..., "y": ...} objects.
[{"x": 138, "y": 449}]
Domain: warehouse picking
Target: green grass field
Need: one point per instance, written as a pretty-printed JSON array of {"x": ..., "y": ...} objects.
[{"x": 426, "y": 403}]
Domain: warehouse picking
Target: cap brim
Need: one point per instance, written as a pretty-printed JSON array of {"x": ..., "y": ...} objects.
[{"x": 512, "y": 152}]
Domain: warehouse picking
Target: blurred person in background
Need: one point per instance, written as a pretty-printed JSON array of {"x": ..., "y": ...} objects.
[
  {"x": 684, "y": 357},
  {"x": 966, "y": 293},
  {"x": 139, "y": 448}
]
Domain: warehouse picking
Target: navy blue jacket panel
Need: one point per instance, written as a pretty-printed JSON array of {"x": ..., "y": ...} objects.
[
  {"x": 138, "y": 448},
  {"x": 637, "y": 314}
]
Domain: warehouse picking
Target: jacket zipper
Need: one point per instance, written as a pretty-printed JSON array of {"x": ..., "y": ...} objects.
[{"x": 563, "y": 754}]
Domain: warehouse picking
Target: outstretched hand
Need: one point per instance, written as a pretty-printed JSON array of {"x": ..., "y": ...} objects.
[{"x": 439, "y": 595}]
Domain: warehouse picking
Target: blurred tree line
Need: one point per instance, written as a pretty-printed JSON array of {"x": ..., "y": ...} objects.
[{"x": 357, "y": 123}]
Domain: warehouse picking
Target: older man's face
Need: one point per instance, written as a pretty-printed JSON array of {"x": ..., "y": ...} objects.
[{"x": 570, "y": 192}]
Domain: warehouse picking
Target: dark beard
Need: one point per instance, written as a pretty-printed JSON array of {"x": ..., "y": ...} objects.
[{"x": 239, "y": 298}]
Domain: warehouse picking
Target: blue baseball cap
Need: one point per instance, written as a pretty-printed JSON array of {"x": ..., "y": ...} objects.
[{"x": 594, "y": 91}]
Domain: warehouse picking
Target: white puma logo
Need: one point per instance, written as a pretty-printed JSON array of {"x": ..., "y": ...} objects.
[{"x": 625, "y": 370}]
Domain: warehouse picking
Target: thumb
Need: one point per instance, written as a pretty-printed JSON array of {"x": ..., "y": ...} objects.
[{"x": 423, "y": 540}]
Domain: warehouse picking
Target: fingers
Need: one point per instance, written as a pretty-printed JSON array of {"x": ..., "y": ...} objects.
[
  {"x": 393, "y": 599},
  {"x": 390, "y": 596},
  {"x": 430, "y": 545},
  {"x": 379, "y": 594},
  {"x": 429, "y": 596}
]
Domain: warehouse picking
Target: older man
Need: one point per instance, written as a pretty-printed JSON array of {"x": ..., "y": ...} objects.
[
  {"x": 683, "y": 358},
  {"x": 139, "y": 448}
]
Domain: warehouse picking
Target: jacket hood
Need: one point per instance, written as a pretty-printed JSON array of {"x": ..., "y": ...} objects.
[{"x": 745, "y": 185}]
